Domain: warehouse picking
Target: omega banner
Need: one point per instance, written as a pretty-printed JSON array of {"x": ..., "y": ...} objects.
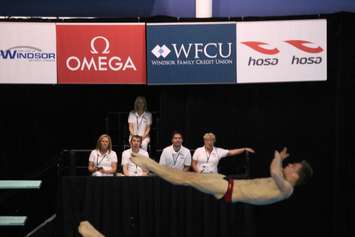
[
  {"x": 101, "y": 53},
  {"x": 191, "y": 53}
]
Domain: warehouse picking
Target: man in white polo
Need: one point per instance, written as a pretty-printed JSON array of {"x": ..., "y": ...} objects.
[
  {"x": 176, "y": 155},
  {"x": 207, "y": 157},
  {"x": 129, "y": 168}
]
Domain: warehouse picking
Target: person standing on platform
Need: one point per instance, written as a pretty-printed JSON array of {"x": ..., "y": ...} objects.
[
  {"x": 140, "y": 120},
  {"x": 103, "y": 160},
  {"x": 206, "y": 158},
  {"x": 129, "y": 168},
  {"x": 176, "y": 155}
]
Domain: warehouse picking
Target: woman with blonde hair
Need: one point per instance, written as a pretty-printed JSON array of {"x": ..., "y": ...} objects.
[
  {"x": 103, "y": 160},
  {"x": 206, "y": 158},
  {"x": 140, "y": 120}
]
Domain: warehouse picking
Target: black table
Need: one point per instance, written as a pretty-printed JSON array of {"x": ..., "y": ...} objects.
[{"x": 147, "y": 206}]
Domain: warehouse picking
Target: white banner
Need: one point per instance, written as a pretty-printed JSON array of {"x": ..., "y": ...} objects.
[
  {"x": 281, "y": 51},
  {"x": 28, "y": 53}
]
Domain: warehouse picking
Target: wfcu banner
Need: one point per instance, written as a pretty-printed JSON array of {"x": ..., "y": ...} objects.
[
  {"x": 282, "y": 51},
  {"x": 191, "y": 53},
  {"x": 109, "y": 53},
  {"x": 28, "y": 53}
]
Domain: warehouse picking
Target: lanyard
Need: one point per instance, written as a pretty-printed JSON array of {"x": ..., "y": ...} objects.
[
  {"x": 140, "y": 123},
  {"x": 136, "y": 171},
  {"x": 208, "y": 156},
  {"x": 175, "y": 160},
  {"x": 97, "y": 159}
]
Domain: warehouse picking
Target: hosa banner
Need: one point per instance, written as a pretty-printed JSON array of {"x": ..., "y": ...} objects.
[
  {"x": 191, "y": 53},
  {"x": 282, "y": 51},
  {"x": 28, "y": 53},
  {"x": 109, "y": 53}
]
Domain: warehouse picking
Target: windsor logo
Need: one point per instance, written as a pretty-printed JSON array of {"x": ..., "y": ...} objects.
[
  {"x": 27, "y": 53},
  {"x": 105, "y": 53},
  {"x": 197, "y": 53}
]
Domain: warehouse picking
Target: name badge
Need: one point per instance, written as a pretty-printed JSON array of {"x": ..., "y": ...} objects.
[{"x": 205, "y": 169}]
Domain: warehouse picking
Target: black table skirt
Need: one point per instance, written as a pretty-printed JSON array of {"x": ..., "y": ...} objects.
[{"x": 147, "y": 206}]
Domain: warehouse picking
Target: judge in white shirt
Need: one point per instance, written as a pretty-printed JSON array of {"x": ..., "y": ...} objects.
[
  {"x": 103, "y": 160},
  {"x": 129, "y": 168},
  {"x": 176, "y": 155},
  {"x": 139, "y": 121},
  {"x": 206, "y": 158}
]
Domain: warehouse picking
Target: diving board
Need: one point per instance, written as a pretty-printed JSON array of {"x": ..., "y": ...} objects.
[
  {"x": 20, "y": 184},
  {"x": 13, "y": 220}
]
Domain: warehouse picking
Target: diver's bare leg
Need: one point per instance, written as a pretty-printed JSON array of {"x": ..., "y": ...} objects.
[{"x": 213, "y": 184}]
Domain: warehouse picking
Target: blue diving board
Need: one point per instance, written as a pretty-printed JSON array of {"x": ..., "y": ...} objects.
[
  {"x": 13, "y": 220},
  {"x": 20, "y": 184}
]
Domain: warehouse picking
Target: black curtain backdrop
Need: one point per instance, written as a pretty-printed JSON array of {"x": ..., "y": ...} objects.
[
  {"x": 313, "y": 119},
  {"x": 147, "y": 206}
]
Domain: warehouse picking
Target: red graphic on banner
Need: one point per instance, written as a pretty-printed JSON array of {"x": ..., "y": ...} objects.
[
  {"x": 256, "y": 46},
  {"x": 300, "y": 44},
  {"x": 101, "y": 54}
]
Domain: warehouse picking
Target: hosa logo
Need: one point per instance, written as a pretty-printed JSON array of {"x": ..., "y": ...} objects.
[
  {"x": 301, "y": 45},
  {"x": 193, "y": 53},
  {"x": 258, "y": 46},
  {"x": 267, "y": 50},
  {"x": 100, "y": 60},
  {"x": 26, "y": 53}
]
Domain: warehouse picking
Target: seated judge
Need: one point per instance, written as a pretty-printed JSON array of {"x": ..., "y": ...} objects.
[
  {"x": 129, "y": 168},
  {"x": 103, "y": 160},
  {"x": 176, "y": 155},
  {"x": 207, "y": 157}
]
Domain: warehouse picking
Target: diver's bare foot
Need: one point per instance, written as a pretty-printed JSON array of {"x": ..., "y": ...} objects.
[{"x": 87, "y": 230}]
